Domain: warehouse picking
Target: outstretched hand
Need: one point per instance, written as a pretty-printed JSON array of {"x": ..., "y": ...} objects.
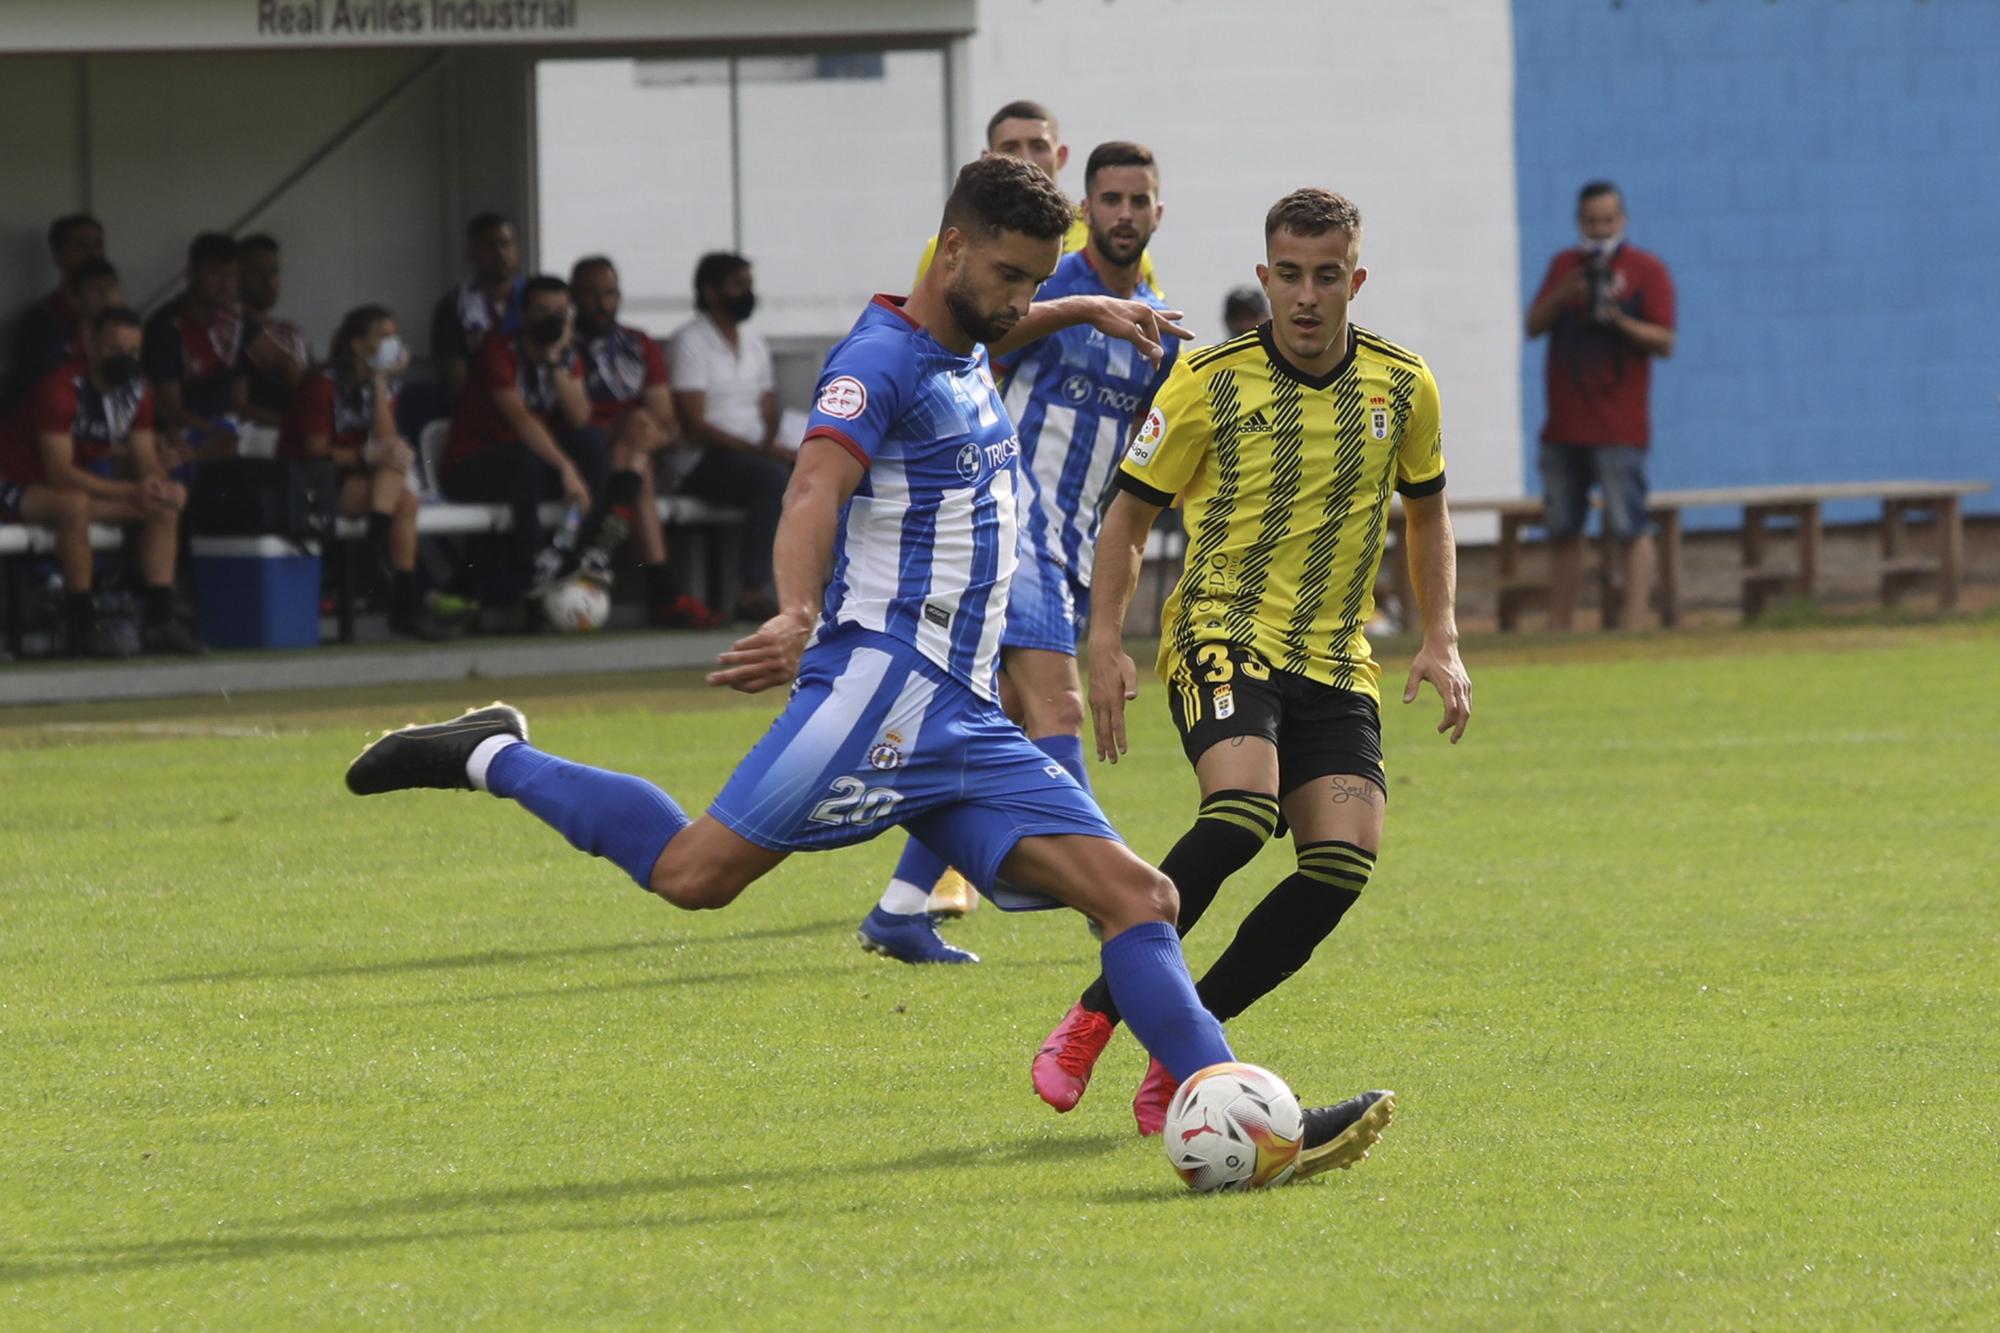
[
  {"x": 768, "y": 656},
  {"x": 1141, "y": 325},
  {"x": 1114, "y": 682},
  {"x": 1441, "y": 667}
]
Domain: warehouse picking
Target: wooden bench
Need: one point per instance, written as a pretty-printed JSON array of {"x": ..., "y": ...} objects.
[
  {"x": 1766, "y": 573},
  {"x": 21, "y": 543}
]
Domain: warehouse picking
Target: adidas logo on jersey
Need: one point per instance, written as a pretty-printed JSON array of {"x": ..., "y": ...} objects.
[{"x": 1254, "y": 424}]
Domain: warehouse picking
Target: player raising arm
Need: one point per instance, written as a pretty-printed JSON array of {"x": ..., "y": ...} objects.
[
  {"x": 906, "y": 489},
  {"x": 1285, "y": 444}
]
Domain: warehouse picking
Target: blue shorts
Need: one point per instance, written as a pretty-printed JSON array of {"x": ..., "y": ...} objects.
[
  {"x": 1046, "y": 607},
  {"x": 1568, "y": 473},
  {"x": 876, "y": 736}
]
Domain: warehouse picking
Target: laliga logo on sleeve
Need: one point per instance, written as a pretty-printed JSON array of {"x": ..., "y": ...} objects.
[
  {"x": 1149, "y": 436},
  {"x": 845, "y": 397}
]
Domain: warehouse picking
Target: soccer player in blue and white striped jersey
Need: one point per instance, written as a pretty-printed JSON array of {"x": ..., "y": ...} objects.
[
  {"x": 907, "y": 488},
  {"x": 1074, "y": 395}
]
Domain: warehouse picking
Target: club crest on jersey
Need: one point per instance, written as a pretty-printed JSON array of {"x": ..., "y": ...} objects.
[
  {"x": 1225, "y": 702},
  {"x": 1150, "y": 433},
  {"x": 888, "y": 752},
  {"x": 1378, "y": 418},
  {"x": 844, "y": 397}
]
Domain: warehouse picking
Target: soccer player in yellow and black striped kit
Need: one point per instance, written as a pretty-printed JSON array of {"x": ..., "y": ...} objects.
[{"x": 1284, "y": 444}]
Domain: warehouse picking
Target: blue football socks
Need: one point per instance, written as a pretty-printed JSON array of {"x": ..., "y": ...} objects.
[
  {"x": 919, "y": 865},
  {"x": 1067, "y": 751},
  {"x": 1150, "y": 983},
  {"x": 624, "y": 819}
]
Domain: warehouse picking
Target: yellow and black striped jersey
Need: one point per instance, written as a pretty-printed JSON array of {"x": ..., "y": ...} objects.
[
  {"x": 1286, "y": 480},
  {"x": 1078, "y": 237}
]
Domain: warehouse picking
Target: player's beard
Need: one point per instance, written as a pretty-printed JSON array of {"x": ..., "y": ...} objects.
[
  {"x": 975, "y": 323},
  {"x": 1119, "y": 250}
]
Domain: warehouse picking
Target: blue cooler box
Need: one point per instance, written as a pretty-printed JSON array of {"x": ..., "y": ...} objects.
[{"x": 255, "y": 592}]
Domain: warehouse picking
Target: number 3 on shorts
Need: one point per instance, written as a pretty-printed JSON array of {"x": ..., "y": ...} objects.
[{"x": 1223, "y": 660}]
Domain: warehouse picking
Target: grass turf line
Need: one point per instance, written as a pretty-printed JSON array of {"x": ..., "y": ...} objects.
[{"x": 1683, "y": 967}]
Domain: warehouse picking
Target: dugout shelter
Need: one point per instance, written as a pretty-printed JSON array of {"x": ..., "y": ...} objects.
[{"x": 362, "y": 133}]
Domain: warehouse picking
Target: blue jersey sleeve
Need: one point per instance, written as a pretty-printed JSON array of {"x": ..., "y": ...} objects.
[{"x": 862, "y": 391}]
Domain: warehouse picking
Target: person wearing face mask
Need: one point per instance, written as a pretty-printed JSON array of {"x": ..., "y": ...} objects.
[
  {"x": 346, "y": 410},
  {"x": 49, "y": 452},
  {"x": 725, "y": 393},
  {"x": 1608, "y": 308},
  {"x": 521, "y": 433}
]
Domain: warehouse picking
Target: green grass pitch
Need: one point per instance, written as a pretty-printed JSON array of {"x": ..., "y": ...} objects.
[{"x": 1686, "y": 967}]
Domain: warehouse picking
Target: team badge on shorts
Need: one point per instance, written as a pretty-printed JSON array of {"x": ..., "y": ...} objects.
[
  {"x": 888, "y": 754},
  {"x": 1378, "y": 417},
  {"x": 1225, "y": 702}
]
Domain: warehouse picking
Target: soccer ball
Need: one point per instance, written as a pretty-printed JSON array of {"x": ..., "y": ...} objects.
[
  {"x": 1234, "y": 1127},
  {"x": 577, "y": 603}
]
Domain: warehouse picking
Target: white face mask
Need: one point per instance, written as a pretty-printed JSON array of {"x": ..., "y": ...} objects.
[
  {"x": 1606, "y": 247},
  {"x": 389, "y": 354}
]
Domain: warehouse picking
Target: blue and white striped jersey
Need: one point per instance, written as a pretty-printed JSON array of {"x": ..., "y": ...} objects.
[
  {"x": 927, "y": 544},
  {"x": 1074, "y": 396}
]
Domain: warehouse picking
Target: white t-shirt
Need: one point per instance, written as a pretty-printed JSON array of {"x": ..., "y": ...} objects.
[{"x": 733, "y": 380}]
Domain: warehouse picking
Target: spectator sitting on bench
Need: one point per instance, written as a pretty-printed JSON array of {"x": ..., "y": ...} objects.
[
  {"x": 522, "y": 431},
  {"x": 75, "y": 239},
  {"x": 487, "y": 302},
  {"x": 724, "y": 390},
  {"x": 47, "y": 343},
  {"x": 626, "y": 375},
  {"x": 276, "y": 360},
  {"x": 346, "y": 411},
  {"x": 75, "y": 415},
  {"x": 193, "y": 353}
]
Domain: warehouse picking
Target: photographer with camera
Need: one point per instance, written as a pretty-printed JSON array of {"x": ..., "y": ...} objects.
[{"x": 1608, "y": 308}]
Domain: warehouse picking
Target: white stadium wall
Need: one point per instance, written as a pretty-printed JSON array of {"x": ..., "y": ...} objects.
[{"x": 1406, "y": 108}]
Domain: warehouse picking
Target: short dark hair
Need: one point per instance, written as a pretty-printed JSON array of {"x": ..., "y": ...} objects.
[
  {"x": 1245, "y": 301},
  {"x": 482, "y": 223},
  {"x": 1021, "y": 110},
  {"x": 116, "y": 316},
  {"x": 1597, "y": 190},
  {"x": 263, "y": 243},
  {"x": 355, "y": 324},
  {"x": 995, "y": 194},
  {"x": 713, "y": 269},
  {"x": 544, "y": 282},
  {"x": 1312, "y": 212},
  {"x": 87, "y": 271},
  {"x": 62, "y": 227},
  {"x": 212, "y": 247},
  {"x": 1117, "y": 153},
  {"x": 589, "y": 261}
]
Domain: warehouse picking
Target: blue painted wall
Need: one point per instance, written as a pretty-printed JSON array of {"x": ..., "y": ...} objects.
[{"x": 1823, "y": 179}]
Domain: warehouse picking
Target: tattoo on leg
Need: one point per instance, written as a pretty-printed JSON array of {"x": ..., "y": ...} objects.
[{"x": 1364, "y": 792}]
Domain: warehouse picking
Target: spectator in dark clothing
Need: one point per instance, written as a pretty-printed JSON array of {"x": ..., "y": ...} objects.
[
  {"x": 276, "y": 360},
  {"x": 49, "y": 335},
  {"x": 75, "y": 239},
  {"x": 194, "y": 351},
  {"x": 626, "y": 375},
  {"x": 346, "y": 410},
  {"x": 522, "y": 434},
  {"x": 76, "y": 416},
  {"x": 488, "y": 302}
]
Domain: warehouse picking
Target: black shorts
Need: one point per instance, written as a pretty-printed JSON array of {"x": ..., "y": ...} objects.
[{"x": 1222, "y": 690}]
